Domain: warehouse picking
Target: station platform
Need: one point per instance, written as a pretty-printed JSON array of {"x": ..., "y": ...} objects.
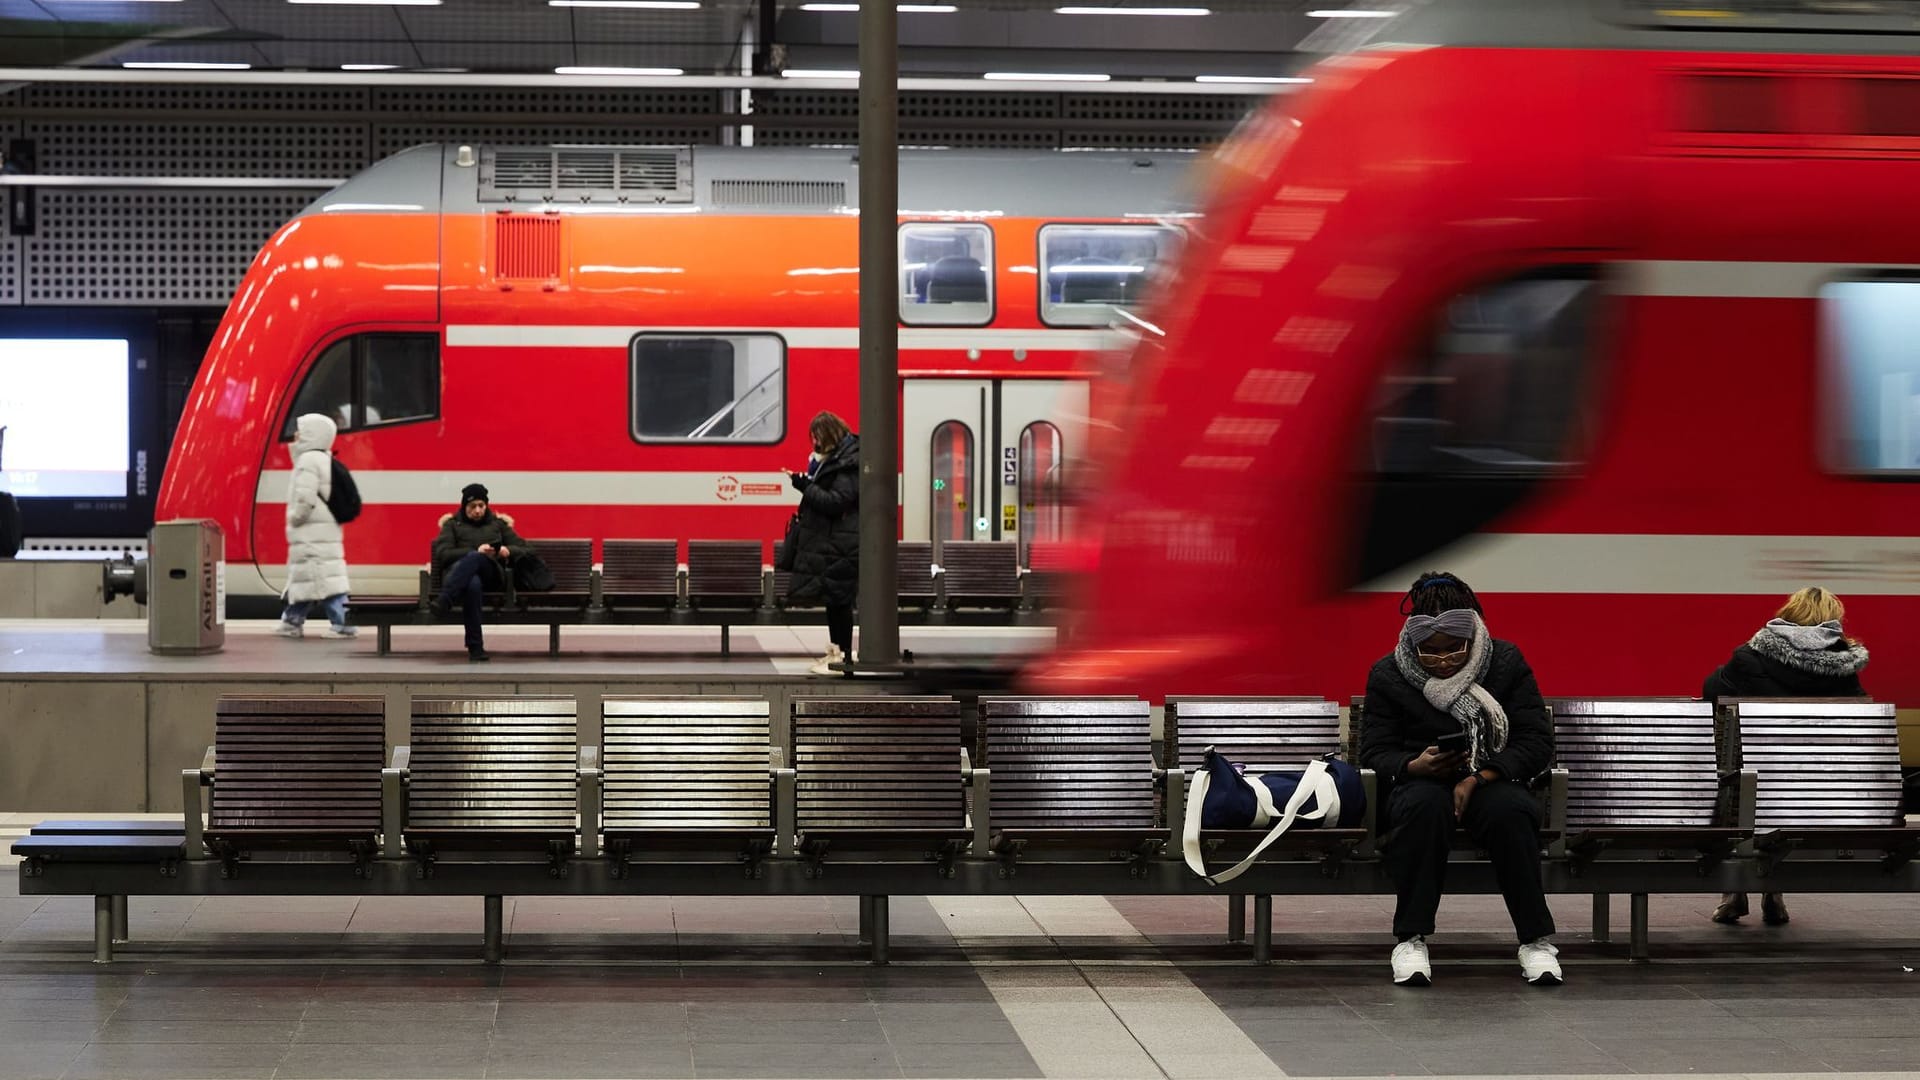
[{"x": 94, "y": 722}]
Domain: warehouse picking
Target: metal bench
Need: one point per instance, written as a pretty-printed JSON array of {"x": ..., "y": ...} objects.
[
  {"x": 572, "y": 564},
  {"x": 639, "y": 574},
  {"x": 113, "y": 844},
  {"x": 913, "y": 578},
  {"x": 879, "y": 779},
  {"x": 687, "y": 775},
  {"x": 724, "y": 574},
  {"x": 291, "y": 773},
  {"x": 1643, "y": 778},
  {"x": 979, "y": 574},
  {"x": 1068, "y": 774},
  {"x": 1549, "y": 787},
  {"x": 1045, "y": 582},
  {"x": 1828, "y": 777}
]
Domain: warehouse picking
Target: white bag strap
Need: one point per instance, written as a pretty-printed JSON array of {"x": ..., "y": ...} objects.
[{"x": 1314, "y": 781}]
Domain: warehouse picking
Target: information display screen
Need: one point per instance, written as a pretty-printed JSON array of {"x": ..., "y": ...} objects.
[{"x": 64, "y": 404}]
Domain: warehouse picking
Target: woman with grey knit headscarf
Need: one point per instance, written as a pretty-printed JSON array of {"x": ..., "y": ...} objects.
[
  {"x": 1454, "y": 723},
  {"x": 1802, "y": 652}
]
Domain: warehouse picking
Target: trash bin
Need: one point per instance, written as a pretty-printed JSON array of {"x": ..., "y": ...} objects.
[{"x": 186, "y": 587}]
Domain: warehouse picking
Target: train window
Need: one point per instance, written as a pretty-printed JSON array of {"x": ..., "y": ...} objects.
[
  {"x": 1495, "y": 400},
  {"x": 370, "y": 380},
  {"x": 1872, "y": 376},
  {"x": 729, "y": 389},
  {"x": 946, "y": 275},
  {"x": 1042, "y": 502},
  {"x": 1088, "y": 270},
  {"x": 953, "y": 470}
]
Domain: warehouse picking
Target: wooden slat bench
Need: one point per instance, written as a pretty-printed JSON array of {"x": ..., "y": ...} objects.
[
  {"x": 1070, "y": 774},
  {"x": 1828, "y": 776},
  {"x": 296, "y": 772},
  {"x": 686, "y": 774},
  {"x": 640, "y": 574}
]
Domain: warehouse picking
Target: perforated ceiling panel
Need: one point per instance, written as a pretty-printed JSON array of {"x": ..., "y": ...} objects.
[
  {"x": 523, "y": 101},
  {"x": 149, "y": 247},
  {"x": 9, "y": 246},
  {"x": 77, "y": 148},
  {"x": 122, "y": 97},
  {"x": 1225, "y": 109},
  {"x": 1004, "y": 121},
  {"x": 392, "y": 138}
]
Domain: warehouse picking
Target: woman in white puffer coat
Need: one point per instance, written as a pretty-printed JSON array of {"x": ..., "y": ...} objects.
[{"x": 316, "y": 554}]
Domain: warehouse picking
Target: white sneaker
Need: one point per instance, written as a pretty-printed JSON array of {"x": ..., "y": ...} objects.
[
  {"x": 1539, "y": 963},
  {"x": 344, "y": 631},
  {"x": 824, "y": 665},
  {"x": 287, "y": 629},
  {"x": 1410, "y": 966}
]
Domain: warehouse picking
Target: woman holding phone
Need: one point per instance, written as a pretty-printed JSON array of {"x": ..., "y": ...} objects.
[{"x": 1455, "y": 724}]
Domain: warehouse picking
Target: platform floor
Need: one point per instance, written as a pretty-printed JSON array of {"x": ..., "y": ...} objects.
[{"x": 1070, "y": 987}]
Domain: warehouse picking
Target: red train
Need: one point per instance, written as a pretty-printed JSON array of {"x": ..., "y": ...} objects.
[
  {"x": 1608, "y": 307},
  {"x": 628, "y": 342}
]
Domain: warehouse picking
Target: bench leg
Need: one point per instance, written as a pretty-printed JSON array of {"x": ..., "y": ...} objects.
[
  {"x": 879, "y": 929},
  {"x": 1637, "y": 943},
  {"x": 726, "y": 640},
  {"x": 1262, "y": 929},
  {"x": 383, "y": 640},
  {"x": 120, "y": 919},
  {"x": 1236, "y": 918},
  {"x": 491, "y": 948},
  {"x": 103, "y": 929},
  {"x": 866, "y": 920},
  {"x": 553, "y": 639},
  {"x": 1602, "y": 918}
]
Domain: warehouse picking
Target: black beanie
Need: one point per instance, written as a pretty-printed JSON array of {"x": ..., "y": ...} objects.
[{"x": 472, "y": 492}]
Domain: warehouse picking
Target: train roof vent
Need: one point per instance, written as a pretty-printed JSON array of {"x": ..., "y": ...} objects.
[
  {"x": 586, "y": 174},
  {"x": 781, "y": 194},
  {"x": 526, "y": 247},
  {"x": 1808, "y": 113}
]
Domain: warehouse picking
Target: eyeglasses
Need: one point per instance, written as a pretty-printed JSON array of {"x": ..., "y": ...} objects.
[{"x": 1431, "y": 659}]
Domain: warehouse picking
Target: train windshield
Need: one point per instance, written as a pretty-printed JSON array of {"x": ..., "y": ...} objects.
[
  {"x": 1872, "y": 376},
  {"x": 1864, "y": 16},
  {"x": 1086, "y": 271}
]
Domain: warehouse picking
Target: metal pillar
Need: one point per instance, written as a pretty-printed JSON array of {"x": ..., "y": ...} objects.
[
  {"x": 120, "y": 919},
  {"x": 492, "y": 949},
  {"x": 1262, "y": 928},
  {"x": 879, "y": 334},
  {"x": 878, "y": 905},
  {"x": 1637, "y": 943},
  {"x": 1602, "y": 918},
  {"x": 103, "y": 929},
  {"x": 1236, "y": 918}
]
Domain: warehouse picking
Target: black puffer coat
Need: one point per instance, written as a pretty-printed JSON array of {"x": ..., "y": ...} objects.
[
  {"x": 1401, "y": 722},
  {"x": 826, "y": 550},
  {"x": 1833, "y": 672},
  {"x": 458, "y": 536}
]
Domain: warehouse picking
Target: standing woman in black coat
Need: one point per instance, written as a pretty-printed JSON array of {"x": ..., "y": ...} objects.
[
  {"x": 1449, "y": 677},
  {"x": 1801, "y": 653},
  {"x": 826, "y": 549}
]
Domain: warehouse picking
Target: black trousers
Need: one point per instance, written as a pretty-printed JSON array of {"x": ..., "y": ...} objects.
[
  {"x": 467, "y": 583},
  {"x": 840, "y": 627},
  {"x": 1503, "y": 819}
]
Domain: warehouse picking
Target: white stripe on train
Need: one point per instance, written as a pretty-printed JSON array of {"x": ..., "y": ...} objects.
[{"x": 796, "y": 337}]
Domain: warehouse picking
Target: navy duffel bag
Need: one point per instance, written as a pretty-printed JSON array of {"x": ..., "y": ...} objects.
[{"x": 1327, "y": 794}]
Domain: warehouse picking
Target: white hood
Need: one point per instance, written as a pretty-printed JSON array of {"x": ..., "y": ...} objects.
[{"x": 313, "y": 432}]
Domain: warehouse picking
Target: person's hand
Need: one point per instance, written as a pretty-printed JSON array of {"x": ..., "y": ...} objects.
[
  {"x": 504, "y": 553},
  {"x": 1435, "y": 763},
  {"x": 485, "y": 549},
  {"x": 1463, "y": 791}
]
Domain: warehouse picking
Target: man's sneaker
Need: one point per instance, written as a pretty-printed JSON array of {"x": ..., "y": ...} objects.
[
  {"x": 477, "y": 655},
  {"x": 824, "y": 665},
  {"x": 1410, "y": 966},
  {"x": 289, "y": 629},
  {"x": 344, "y": 631},
  {"x": 1540, "y": 963}
]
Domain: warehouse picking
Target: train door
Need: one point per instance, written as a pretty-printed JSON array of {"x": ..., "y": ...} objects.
[{"x": 988, "y": 459}]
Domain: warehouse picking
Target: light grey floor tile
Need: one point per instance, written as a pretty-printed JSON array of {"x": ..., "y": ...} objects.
[
  {"x": 38, "y": 1060},
  {"x": 385, "y": 1062},
  {"x": 197, "y": 1032},
  {"x": 393, "y": 1030},
  {"x": 162, "y": 1061},
  {"x": 15, "y": 1032},
  {"x": 980, "y": 1061}
]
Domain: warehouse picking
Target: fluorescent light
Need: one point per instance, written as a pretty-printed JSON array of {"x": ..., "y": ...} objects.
[
  {"x": 1043, "y": 76},
  {"x": 829, "y": 7},
  {"x": 920, "y": 9},
  {"x": 371, "y": 3},
  {"x": 1132, "y": 11},
  {"x": 368, "y": 67},
  {"x": 371, "y": 207},
  {"x": 185, "y": 65},
  {"x": 1250, "y": 79},
  {"x": 129, "y": 1},
  {"x": 650, "y": 5},
  {"x": 818, "y": 73},
  {"x": 616, "y": 71},
  {"x": 1351, "y": 13}
]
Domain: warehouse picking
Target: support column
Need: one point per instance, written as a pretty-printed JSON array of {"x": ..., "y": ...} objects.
[
  {"x": 1602, "y": 918},
  {"x": 103, "y": 929},
  {"x": 1262, "y": 929},
  {"x": 120, "y": 919},
  {"x": 879, "y": 334},
  {"x": 1236, "y": 918},
  {"x": 492, "y": 949},
  {"x": 879, "y": 907},
  {"x": 1637, "y": 944},
  {"x": 866, "y": 919}
]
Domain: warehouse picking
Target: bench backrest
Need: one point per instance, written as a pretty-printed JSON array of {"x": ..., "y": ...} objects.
[
  {"x": 913, "y": 577},
  {"x": 726, "y": 570},
  {"x": 1261, "y": 733},
  {"x": 980, "y": 572},
  {"x": 685, "y": 762},
  {"x": 572, "y": 564},
  {"x": 1820, "y": 762},
  {"x": 493, "y": 765},
  {"x": 1047, "y": 563},
  {"x": 1069, "y": 762},
  {"x": 293, "y": 765},
  {"x": 877, "y": 763},
  {"x": 644, "y": 570},
  {"x": 1637, "y": 763}
]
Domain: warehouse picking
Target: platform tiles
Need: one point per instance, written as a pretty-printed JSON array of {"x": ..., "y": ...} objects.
[{"x": 990, "y": 987}]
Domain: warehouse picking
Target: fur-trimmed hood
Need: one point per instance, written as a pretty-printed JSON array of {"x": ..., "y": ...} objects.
[{"x": 1795, "y": 647}]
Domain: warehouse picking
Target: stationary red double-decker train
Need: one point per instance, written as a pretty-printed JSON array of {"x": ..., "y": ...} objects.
[{"x": 1608, "y": 307}]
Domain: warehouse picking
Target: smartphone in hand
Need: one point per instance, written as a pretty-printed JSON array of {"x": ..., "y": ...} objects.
[{"x": 1455, "y": 743}]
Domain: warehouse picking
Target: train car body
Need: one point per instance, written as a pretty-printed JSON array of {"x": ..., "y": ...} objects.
[
  {"x": 1608, "y": 307},
  {"x": 629, "y": 342}
]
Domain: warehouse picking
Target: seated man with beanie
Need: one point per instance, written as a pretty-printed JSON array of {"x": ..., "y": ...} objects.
[{"x": 471, "y": 553}]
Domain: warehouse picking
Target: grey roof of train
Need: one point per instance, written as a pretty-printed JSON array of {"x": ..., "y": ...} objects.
[
  {"x": 1760, "y": 26},
  {"x": 1014, "y": 183}
]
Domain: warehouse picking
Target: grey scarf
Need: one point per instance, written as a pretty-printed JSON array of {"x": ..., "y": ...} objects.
[
  {"x": 1809, "y": 648},
  {"x": 1461, "y": 696}
]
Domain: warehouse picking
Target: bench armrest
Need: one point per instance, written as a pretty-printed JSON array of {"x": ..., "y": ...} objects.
[
  {"x": 393, "y": 803},
  {"x": 1176, "y": 804},
  {"x": 982, "y": 785},
  {"x": 966, "y": 765},
  {"x": 207, "y": 766},
  {"x": 402, "y": 758},
  {"x": 1557, "y": 799},
  {"x": 195, "y": 842},
  {"x": 588, "y": 796},
  {"x": 426, "y": 580},
  {"x": 1370, "y": 820},
  {"x": 785, "y": 810}
]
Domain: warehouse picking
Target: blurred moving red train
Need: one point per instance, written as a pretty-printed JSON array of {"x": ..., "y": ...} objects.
[{"x": 1611, "y": 309}]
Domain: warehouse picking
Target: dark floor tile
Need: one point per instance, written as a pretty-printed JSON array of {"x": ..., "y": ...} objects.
[
  {"x": 950, "y": 1032},
  {"x": 572, "y": 1062},
  {"x": 1353, "y": 1059},
  {"x": 1900, "y": 1054},
  {"x": 168, "y": 1061},
  {"x": 837, "y": 1032},
  {"x": 423, "y": 1014},
  {"x": 794, "y": 1060},
  {"x": 395, "y": 1030},
  {"x": 197, "y": 1032},
  {"x": 980, "y": 1060},
  {"x": 1677, "y": 1055},
  {"x": 386, "y": 1062},
  {"x": 16, "y": 1032},
  {"x": 751, "y": 1010},
  {"x": 37, "y": 1060},
  {"x": 224, "y": 1005}
]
